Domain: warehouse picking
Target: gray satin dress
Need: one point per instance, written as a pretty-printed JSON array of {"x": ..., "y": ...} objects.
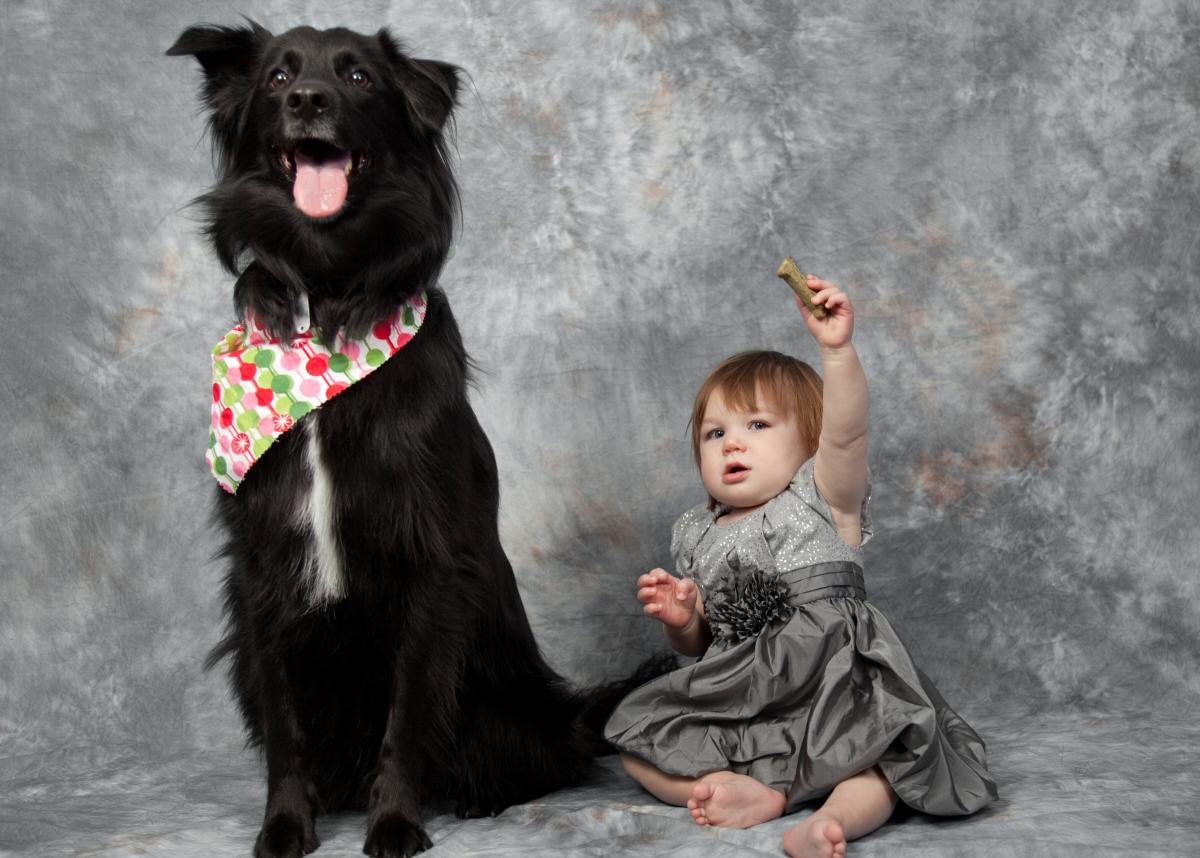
[{"x": 806, "y": 682}]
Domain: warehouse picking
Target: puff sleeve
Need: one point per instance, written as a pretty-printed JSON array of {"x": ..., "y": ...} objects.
[{"x": 798, "y": 525}]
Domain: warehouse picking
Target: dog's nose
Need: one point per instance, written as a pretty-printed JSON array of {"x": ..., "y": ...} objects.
[{"x": 308, "y": 101}]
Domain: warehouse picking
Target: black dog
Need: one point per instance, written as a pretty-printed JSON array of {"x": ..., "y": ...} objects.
[{"x": 380, "y": 652}]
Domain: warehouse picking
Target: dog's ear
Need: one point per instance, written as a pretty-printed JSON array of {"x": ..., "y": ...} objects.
[
  {"x": 228, "y": 56},
  {"x": 431, "y": 85}
]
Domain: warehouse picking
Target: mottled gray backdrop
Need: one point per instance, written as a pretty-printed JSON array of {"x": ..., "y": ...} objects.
[{"x": 1009, "y": 192}]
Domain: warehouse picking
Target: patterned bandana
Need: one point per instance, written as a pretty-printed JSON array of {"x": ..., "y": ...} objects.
[{"x": 262, "y": 386}]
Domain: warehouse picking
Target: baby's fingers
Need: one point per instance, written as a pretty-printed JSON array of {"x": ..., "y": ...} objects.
[
  {"x": 835, "y": 302},
  {"x": 828, "y": 295},
  {"x": 685, "y": 592},
  {"x": 653, "y": 578},
  {"x": 647, "y": 595}
]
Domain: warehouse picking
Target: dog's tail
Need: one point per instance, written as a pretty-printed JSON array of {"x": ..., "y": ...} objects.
[{"x": 601, "y": 700}]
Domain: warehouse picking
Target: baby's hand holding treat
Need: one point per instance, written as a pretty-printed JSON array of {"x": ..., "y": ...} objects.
[
  {"x": 826, "y": 309},
  {"x": 667, "y": 598}
]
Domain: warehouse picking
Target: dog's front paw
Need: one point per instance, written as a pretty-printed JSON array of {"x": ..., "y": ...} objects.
[
  {"x": 286, "y": 835},
  {"x": 394, "y": 836}
]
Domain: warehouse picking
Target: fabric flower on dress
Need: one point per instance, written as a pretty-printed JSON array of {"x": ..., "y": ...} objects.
[{"x": 740, "y": 606}]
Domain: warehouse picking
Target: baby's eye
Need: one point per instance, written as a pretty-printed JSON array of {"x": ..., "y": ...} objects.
[
  {"x": 758, "y": 424},
  {"x": 714, "y": 433}
]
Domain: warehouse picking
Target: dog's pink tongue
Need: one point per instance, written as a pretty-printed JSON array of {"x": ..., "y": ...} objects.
[{"x": 320, "y": 188}]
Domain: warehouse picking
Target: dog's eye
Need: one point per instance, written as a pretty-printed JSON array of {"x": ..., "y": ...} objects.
[
  {"x": 278, "y": 78},
  {"x": 359, "y": 78}
]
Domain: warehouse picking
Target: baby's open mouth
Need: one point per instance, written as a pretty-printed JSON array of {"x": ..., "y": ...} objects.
[
  {"x": 735, "y": 472},
  {"x": 320, "y": 173}
]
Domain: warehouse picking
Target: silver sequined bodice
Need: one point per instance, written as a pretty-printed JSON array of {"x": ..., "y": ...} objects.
[{"x": 791, "y": 531}]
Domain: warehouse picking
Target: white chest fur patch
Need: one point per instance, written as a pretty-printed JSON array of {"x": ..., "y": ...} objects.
[{"x": 322, "y": 572}]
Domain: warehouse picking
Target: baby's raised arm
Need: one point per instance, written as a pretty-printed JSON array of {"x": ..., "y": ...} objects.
[
  {"x": 676, "y": 603},
  {"x": 840, "y": 469}
]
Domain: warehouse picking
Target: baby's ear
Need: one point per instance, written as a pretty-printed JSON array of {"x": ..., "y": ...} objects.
[
  {"x": 431, "y": 86},
  {"x": 229, "y": 56}
]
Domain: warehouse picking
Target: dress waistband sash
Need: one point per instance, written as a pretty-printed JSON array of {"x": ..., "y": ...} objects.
[{"x": 824, "y": 581}]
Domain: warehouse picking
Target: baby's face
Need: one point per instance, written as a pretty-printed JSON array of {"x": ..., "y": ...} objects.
[{"x": 748, "y": 457}]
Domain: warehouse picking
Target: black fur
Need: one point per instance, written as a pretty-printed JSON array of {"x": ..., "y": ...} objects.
[{"x": 424, "y": 681}]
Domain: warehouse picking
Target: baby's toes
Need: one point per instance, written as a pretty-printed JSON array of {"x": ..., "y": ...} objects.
[{"x": 701, "y": 793}]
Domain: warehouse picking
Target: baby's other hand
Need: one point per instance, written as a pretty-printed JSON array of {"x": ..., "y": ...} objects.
[
  {"x": 835, "y": 330},
  {"x": 667, "y": 598}
]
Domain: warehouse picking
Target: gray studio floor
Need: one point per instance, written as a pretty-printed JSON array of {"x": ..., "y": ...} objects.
[{"x": 1072, "y": 784}]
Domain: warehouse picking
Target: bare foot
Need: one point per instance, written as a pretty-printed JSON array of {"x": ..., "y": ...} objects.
[
  {"x": 733, "y": 801},
  {"x": 819, "y": 836}
]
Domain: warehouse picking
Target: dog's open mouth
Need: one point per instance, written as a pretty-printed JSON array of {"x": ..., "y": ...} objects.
[{"x": 320, "y": 174}]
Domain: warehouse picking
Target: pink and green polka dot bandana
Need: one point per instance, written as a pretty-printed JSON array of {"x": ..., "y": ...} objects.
[{"x": 262, "y": 386}]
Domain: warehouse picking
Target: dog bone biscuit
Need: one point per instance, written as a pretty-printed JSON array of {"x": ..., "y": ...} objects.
[{"x": 794, "y": 277}]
